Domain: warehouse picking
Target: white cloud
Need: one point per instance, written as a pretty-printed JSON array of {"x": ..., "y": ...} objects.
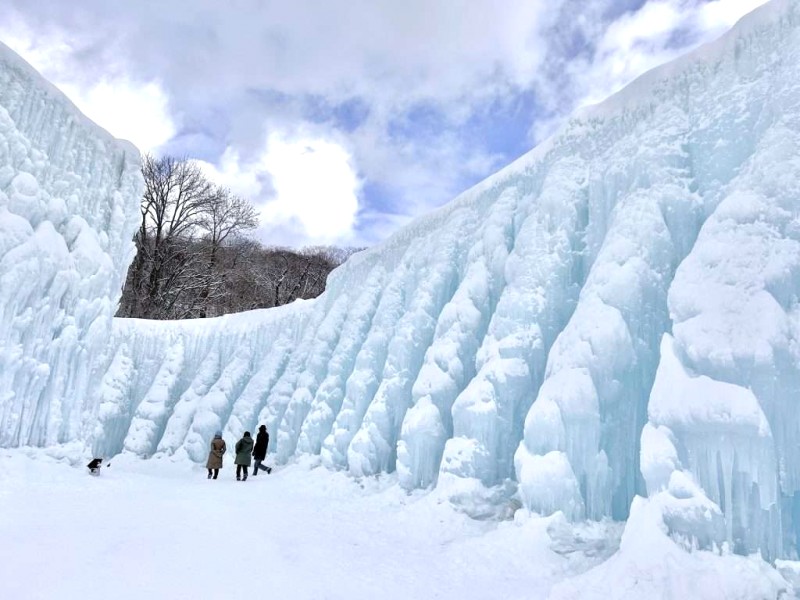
[
  {"x": 719, "y": 15},
  {"x": 315, "y": 182},
  {"x": 630, "y": 44},
  {"x": 302, "y": 182},
  {"x": 392, "y": 53},
  {"x": 218, "y": 71},
  {"x": 229, "y": 173},
  {"x": 636, "y": 40},
  {"x": 132, "y": 111},
  {"x": 451, "y": 55}
]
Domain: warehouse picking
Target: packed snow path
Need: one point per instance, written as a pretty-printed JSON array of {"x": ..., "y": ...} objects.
[{"x": 162, "y": 530}]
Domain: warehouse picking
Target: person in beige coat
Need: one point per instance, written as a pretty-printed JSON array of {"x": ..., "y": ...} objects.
[{"x": 218, "y": 448}]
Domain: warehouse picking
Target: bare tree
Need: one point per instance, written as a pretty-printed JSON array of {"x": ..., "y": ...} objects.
[
  {"x": 225, "y": 217},
  {"x": 194, "y": 258},
  {"x": 176, "y": 195},
  {"x": 290, "y": 275}
]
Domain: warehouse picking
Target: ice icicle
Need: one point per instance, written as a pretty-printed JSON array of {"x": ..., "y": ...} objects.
[
  {"x": 450, "y": 360},
  {"x": 216, "y": 404},
  {"x": 316, "y": 367},
  {"x": 722, "y": 437},
  {"x": 150, "y": 418},
  {"x": 330, "y": 394},
  {"x": 246, "y": 408},
  {"x": 373, "y": 448},
  {"x": 363, "y": 382},
  {"x": 600, "y": 368},
  {"x": 180, "y": 420},
  {"x": 542, "y": 279}
]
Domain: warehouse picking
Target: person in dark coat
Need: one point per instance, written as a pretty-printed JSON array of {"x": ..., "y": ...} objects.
[
  {"x": 260, "y": 451},
  {"x": 244, "y": 447},
  {"x": 215, "y": 455}
]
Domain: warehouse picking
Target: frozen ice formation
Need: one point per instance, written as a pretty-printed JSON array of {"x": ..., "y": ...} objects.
[
  {"x": 614, "y": 315},
  {"x": 68, "y": 208}
]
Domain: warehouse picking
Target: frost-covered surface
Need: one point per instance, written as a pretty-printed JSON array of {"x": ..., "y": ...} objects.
[
  {"x": 68, "y": 207},
  {"x": 612, "y": 316}
]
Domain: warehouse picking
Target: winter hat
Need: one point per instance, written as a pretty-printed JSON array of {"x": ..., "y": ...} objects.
[
  {"x": 246, "y": 434},
  {"x": 218, "y": 434},
  {"x": 262, "y": 428}
]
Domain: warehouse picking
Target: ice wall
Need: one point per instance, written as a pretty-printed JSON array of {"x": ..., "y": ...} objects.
[
  {"x": 68, "y": 207},
  {"x": 614, "y": 314},
  {"x": 698, "y": 129},
  {"x": 169, "y": 385},
  {"x": 727, "y": 385}
]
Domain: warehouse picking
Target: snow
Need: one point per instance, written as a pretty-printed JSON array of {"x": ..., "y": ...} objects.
[
  {"x": 308, "y": 532},
  {"x": 606, "y": 330},
  {"x": 651, "y": 565},
  {"x": 300, "y": 533}
]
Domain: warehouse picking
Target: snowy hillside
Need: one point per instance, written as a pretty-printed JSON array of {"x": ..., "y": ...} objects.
[
  {"x": 68, "y": 208},
  {"x": 614, "y": 314}
]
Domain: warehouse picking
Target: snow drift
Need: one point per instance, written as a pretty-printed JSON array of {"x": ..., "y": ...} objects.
[{"x": 615, "y": 314}]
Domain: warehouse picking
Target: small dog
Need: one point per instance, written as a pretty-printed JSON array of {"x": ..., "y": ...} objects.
[{"x": 94, "y": 466}]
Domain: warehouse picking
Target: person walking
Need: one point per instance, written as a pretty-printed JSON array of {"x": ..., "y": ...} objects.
[
  {"x": 244, "y": 447},
  {"x": 260, "y": 451},
  {"x": 215, "y": 455}
]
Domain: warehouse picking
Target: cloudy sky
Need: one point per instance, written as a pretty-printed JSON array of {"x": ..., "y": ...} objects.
[{"x": 343, "y": 119}]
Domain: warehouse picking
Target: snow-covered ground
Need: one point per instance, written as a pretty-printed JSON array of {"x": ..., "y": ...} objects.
[{"x": 160, "y": 529}]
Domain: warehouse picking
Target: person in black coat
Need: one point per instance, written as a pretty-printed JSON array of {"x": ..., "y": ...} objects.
[{"x": 260, "y": 451}]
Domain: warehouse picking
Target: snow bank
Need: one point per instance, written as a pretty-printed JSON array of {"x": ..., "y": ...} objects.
[{"x": 649, "y": 564}]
